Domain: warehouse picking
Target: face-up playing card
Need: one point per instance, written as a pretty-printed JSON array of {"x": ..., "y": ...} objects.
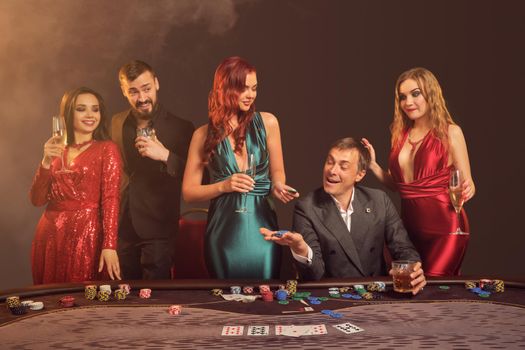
[
  {"x": 348, "y": 328},
  {"x": 298, "y": 331},
  {"x": 258, "y": 330},
  {"x": 232, "y": 330},
  {"x": 317, "y": 329}
]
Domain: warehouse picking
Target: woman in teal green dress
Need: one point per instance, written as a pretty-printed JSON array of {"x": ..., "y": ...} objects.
[{"x": 239, "y": 204}]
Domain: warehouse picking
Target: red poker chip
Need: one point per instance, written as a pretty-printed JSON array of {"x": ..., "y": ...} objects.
[{"x": 67, "y": 301}]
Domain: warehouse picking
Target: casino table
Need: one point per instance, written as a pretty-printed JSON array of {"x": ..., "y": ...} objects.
[{"x": 444, "y": 315}]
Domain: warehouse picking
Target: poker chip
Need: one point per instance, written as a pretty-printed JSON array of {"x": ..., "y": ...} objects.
[
  {"x": 336, "y": 315},
  {"x": 323, "y": 298},
  {"x": 67, "y": 301},
  {"x": 499, "y": 286},
  {"x": 37, "y": 305},
  {"x": 264, "y": 288},
  {"x": 18, "y": 310},
  {"x": 145, "y": 293},
  {"x": 315, "y": 302},
  {"x": 335, "y": 296},
  {"x": 279, "y": 234},
  {"x": 235, "y": 289},
  {"x": 291, "y": 286},
  {"x": 27, "y": 303},
  {"x": 283, "y": 302},
  {"x": 125, "y": 287},
  {"x": 326, "y": 312},
  {"x": 346, "y": 296},
  {"x": 120, "y": 294},
  {"x": 217, "y": 292},
  {"x": 103, "y": 295},
  {"x": 267, "y": 296},
  {"x": 356, "y": 296},
  {"x": 105, "y": 287},
  {"x": 13, "y": 301},
  {"x": 444, "y": 287},
  {"x": 345, "y": 289},
  {"x": 470, "y": 284},
  {"x": 281, "y": 294},
  {"x": 90, "y": 292},
  {"x": 247, "y": 290},
  {"x": 175, "y": 310},
  {"x": 367, "y": 296},
  {"x": 376, "y": 287}
]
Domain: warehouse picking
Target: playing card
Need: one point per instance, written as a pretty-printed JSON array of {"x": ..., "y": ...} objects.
[
  {"x": 232, "y": 330},
  {"x": 317, "y": 329},
  {"x": 258, "y": 330},
  {"x": 348, "y": 328}
]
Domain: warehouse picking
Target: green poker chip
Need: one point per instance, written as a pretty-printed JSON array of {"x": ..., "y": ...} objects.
[
  {"x": 284, "y": 302},
  {"x": 444, "y": 287}
]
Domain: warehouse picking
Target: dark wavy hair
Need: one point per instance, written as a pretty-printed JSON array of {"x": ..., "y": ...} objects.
[
  {"x": 223, "y": 102},
  {"x": 67, "y": 110},
  {"x": 353, "y": 143}
]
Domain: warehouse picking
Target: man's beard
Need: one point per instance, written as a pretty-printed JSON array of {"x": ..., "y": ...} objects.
[{"x": 143, "y": 114}]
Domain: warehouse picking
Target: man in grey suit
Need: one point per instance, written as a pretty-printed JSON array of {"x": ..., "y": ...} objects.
[{"x": 340, "y": 230}]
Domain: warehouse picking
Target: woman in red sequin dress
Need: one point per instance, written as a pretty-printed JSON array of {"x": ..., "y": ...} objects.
[
  {"x": 76, "y": 236},
  {"x": 426, "y": 145}
]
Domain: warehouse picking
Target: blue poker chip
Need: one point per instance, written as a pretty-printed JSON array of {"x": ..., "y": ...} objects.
[
  {"x": 346, "y": 296},
  {"x": 313, "y": 298},
  {"x": 356, "y": 296},
  {"x": 336, "y": 315},
  {"x": 476, "y": 290},
  {"x": 327, "y": 312},
  {"x": 315, "y": 302},
  {"x": 279, "y": 234}
]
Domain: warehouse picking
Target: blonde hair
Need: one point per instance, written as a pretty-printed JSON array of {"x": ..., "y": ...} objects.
[{"x": 438, "y": 113}]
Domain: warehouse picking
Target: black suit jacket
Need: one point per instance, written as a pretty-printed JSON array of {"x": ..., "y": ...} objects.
[
  {"x": 358, "y": 253},
  {"x": 151, "y": 194}
]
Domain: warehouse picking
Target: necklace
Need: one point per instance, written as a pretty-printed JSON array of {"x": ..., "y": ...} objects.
[
  {"x": 414, "y": 144},
  {"x": 78, "y": 146}
]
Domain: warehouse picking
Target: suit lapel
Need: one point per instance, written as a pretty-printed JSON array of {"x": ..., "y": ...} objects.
[
  {"x": 361, "y": 219},
  {"x": 332, "y": 220}
]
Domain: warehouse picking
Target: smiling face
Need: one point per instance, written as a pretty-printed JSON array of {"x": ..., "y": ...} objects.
[
  {"x": 141, "y": 93},
  {"x": 248, "y": 95},
  {"x": 341, "y": 172},
  {"x": 86, "y": 115},
  {"x": 411, "y": 100}
]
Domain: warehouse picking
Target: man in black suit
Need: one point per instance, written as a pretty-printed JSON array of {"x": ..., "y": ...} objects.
[
  {"x": 340, "y": 230},
  {"x": 153, "y": 164}
]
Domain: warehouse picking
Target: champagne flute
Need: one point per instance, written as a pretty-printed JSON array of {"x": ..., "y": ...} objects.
[
  {"x": 60, "y": 130},
  {"x": 456, "y": 196},
  {"x": 250, "y": 171}
]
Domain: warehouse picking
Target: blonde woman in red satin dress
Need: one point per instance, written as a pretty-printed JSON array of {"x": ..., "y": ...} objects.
[
  {"x": 426, "y": 145},
  {"x": 76, "y": 236}
]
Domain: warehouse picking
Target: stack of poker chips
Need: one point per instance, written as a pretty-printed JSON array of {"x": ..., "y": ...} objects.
[
  {"x": 90, "y": 292},
  {"x": 175, "y": 310},
  {"x": 281, "y": 294},
  {"x": 36, "y": 305},
  {"x": 291, "y": 286},
  {"x": 15, "y": 306},
  {"x": 145, "y": 293},
  {"x": 235, "y": 290},
  {"x": 217, "y": 292},
  {"x": 125, "y": 287},
  {"x": 376, "y": 287},
  {"x": 120, "y": 294},
  {"x": 267, "y": 295},
  {"x": 345, "y": 289},
  {"x": 67, "y": 301},
  {"x": 103, "y": 295},
  {"x": 333, "y": 292},
  {"x": 247, "y": 290},
  {"x": 499, "y": 286},
  {"x": 360, "y": 289},
  {"x": 470, "y": 284},
  {"x": 263, "y": 288}
]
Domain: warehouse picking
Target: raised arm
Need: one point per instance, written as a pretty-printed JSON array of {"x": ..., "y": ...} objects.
[
  {"x": 460, "y": 160},
  {"x": 277, "y": 174},
  {"x": 192, "y": 188},
  {"x": 383, "y": 176}
]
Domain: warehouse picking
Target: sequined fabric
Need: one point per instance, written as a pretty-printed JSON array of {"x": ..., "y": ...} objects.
[{"x": 81, "y": 216}]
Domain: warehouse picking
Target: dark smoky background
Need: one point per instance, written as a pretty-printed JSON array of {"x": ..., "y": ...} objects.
[{"x": 326, "y": 68}]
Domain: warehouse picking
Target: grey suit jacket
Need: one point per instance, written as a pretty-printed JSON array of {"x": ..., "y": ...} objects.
[{"x": 358, "y": 253}]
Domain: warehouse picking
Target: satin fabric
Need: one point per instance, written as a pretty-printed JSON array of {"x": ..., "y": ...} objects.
[
  {"x": 426, "y": 209},
  {"x": 234, "y": 248},
  {"x": 81, "y": 216}
]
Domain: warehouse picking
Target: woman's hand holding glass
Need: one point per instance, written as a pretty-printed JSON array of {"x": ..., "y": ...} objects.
[{"x": 53, "y": 148}]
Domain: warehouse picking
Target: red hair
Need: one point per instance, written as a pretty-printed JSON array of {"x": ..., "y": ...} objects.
[{"x": 223, "y": 103}]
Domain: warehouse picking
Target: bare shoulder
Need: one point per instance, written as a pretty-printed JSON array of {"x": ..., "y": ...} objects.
[
  {"x": 201, "y": 132},
  {"x": 454, "y": 131},
  {"x": 269, "y": 120}
]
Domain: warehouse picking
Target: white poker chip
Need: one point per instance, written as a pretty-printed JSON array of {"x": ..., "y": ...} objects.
[
  {"x": 37, "y": 305},
  {"x": 105, "y": 287},
  {"x": 27, "y": 303}
]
